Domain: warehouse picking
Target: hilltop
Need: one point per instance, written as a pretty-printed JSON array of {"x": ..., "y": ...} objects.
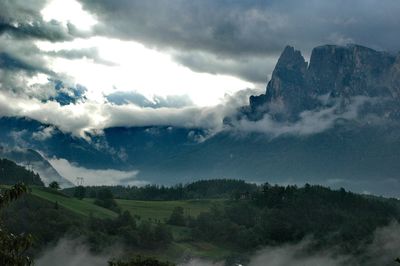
[{"x": 11, "y": 173}]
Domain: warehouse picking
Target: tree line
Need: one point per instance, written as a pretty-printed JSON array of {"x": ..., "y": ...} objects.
[
  {"x": 11, "y": 173},
  {"x": 274, "y": 215},
  {"x": 213, "y": 188}
]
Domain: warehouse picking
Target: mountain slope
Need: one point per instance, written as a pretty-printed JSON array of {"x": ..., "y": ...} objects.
[
  {"x": 35, "y": 162},
  {"x": 11, "y": 173}
]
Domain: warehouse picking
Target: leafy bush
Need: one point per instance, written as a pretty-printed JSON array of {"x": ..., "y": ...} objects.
[{"x": 177, "y": 217}]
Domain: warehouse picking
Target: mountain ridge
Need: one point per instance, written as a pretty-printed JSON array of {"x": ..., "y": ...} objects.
[{"x": 334, "y": 72}]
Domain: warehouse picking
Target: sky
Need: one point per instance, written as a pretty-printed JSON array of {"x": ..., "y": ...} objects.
[{"x": 89, "y": 64}]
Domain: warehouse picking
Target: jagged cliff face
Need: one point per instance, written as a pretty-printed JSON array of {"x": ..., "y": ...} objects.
[{"x": 335, "y": 74}]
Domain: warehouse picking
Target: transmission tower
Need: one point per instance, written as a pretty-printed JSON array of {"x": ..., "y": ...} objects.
[
  {"x": 79, "y": 181},
  {"x": 29, "y": 166}
]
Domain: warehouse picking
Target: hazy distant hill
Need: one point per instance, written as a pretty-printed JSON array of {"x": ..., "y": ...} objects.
[
  {"x": 27, "y": 133},
  {"x": 36, "y": 163},
  {"x": 11, "y": 173}
]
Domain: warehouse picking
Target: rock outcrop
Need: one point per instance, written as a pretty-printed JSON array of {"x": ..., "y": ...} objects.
[{"x": 335, "y": 73}]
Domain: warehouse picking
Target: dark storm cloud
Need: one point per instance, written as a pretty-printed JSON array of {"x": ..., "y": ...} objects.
[
  {"x": 20, "y": 61},
  {"x": 50, "y": 31},
  {"x": 89, "y": 53},
  {"x": 8, "y": 61},
  {"x": 251, "y": 29},
  {"x": 253, "y": 69},
  {"x": 21, "y": 24},
  {"x": 22, "y": 20},
  {"x": 21, "y": 10},
  {"x": 17, "y": 17},
  {"x": 224, "y": 27}
]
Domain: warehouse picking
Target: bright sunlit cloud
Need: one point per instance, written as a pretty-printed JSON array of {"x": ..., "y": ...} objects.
[
  {"x": 133, "y": 66},
  {"x": 140, "y": 69},
  {"x": 68, "y": 11}
]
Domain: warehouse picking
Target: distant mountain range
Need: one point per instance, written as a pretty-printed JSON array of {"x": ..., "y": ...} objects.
[{"x": 334, "y": 121}]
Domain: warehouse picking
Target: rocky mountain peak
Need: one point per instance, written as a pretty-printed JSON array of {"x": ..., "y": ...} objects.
[
  {"x": 291, "y": 59},
  {"x": 348, "y": 70},
  {"x": 285, "y": 91},
  {"x": 341, "y": 72}
]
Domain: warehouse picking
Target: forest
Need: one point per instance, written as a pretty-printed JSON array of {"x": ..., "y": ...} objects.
[
  {"x": 232, "y": 215},
  {"x": 274, "y": 215},
  {"x": 11, "y": 173},
  {"x": 214, "y": 188}
]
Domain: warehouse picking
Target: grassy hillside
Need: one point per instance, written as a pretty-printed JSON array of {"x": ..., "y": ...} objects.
[
  {"x": 147, "y": 210},
  {"x": 161, "y": 210},
  {"x": 81, "y": 207},
  {"x": 220, "y": 229}
]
